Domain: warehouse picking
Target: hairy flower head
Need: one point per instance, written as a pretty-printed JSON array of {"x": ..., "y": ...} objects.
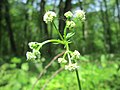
[
  {"x": 62, "y": 60},
  {"x": 49, "y": 16},
  {"x": 36, "y": 53},
  {"x": 30, "y": 56},
  {"x": 70, "y": 24},
  {"x": 68, "y": 14},
  {"x": 35, "y": 45},
  {"x": 80, "y": 14},
  {"x": 75, "y": 54},
  {"x": 71, "y": 66}
]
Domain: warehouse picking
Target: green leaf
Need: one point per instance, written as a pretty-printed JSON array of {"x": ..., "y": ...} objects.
[
  {"x": 16, "y": 60},
  {"x": 69, "y": 35},
  {"x": 25, "y": 66}
]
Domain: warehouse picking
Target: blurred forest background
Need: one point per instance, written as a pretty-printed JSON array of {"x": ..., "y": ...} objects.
[{"x": 97, "y": 39}]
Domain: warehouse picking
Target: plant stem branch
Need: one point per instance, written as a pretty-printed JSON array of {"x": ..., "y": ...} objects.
[
  {"x": 53, "y": 40},
  {"x": 59, "y": 70},
  {"x": 78, "y": 79},
  {"x": 58, "y": 31},
  {"x": 42, "y": 72}
]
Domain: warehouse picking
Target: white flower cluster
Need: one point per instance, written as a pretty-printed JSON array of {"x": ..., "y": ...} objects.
[
  {"x": 71, "y": 66},
  {"x": 71, "y": 63},
  {"x": 80, "y": 14},
  {"x": 62, "y": 60},
  {"x": 75, "y": 55},
  {"x": 35, "y": 54},
  {"x": 30, "y": 56},
  {"x": 35, "y": 45},
  {"x": 49, "y": 16},
  {"x": 70, "y": 24},
  {"x": 68, "y": 14}
]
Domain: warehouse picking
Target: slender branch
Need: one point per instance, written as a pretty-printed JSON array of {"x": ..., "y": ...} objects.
[
  {"x": 45, "y": 85},
  {"x": 42, "y": 72},
  {"x": 78, "y": 79},
  {"x": 57, "y": 31},
  {"x": 52, "y": 40},
  {"x": 65, "y": 31}
]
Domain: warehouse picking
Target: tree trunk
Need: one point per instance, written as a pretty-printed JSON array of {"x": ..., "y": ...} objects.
[
  {"x": 118, "y": 25},
  {"x": 83, "y": 28},
  {"x": 62, "y": 10},
  {"x": 108, "y": 28},
  {"x": 102, "y": 18},
  {"x": 44, "y": 27},
  {"x": 118, "y": 11},
  {"x": 1, "y": 7},
  {"x": 61, "y": 16},
  {"x": 9, "y": 27}
]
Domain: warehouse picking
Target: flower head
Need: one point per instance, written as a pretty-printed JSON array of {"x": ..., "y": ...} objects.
[
  {"x": 75, "y": 55},
  {"x": 62, "y": 60},
  {"x": 35, "y": 45},
  {"x": 71, "y": 66},
  {"x": 30, "y": 56},
  {"x": 68, "y": 14},
  {"x": 70, "y": 24},
  {"x": 36, "y": 53},
  {"x": 80, "y": 14},
  {"x": 49, "y": 16}
]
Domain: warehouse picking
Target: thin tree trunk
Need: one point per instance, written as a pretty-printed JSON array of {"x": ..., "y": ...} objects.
[
  {"x": 118, "y": 25},
  {"x": 9, "y": 27},
  {"x": 61, "y": 16},
  {"x": 1, "y": 7},
  {"x": 83, "y": 27},
  {"x": 44, "y": 25},
  {"x": 102, "y": 18},
  {"x": 118, "y": 10},
  {"x": 26, "y": 25},
  {"x": 108, "y": 28},
  {"x": 62, "y": 10},
  {"x": 25, "y": 28}
]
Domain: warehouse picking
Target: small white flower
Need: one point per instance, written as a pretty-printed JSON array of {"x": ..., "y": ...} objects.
[
  {"x": 49, "y": 16},
  {"x": 36, "y": 53},
  {"x": 32, "y": 45},
  {"x": 76, "y": 54},
  {"x": 35, "y": 45},
  {"x": 71, "y": 66},
  {"x": 68, "y": 14},
  {"x": 70, "y": 24},
  {"x": 80, "y": 14},
  {"x": 62, "y": 60},
  {"x": 30, "y": 56}
]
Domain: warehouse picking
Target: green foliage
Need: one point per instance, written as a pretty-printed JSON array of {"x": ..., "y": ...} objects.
[{"x": 100, "y": 74}]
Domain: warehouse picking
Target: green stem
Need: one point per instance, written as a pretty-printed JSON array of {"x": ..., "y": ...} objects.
[
  {"x": 65, "y": 31},
  {"x": 78, "y": 79},
  {"x": 58, "y": 31},
  {"x": 77, "y": 74},
  {"x": 53, "y": 41}
]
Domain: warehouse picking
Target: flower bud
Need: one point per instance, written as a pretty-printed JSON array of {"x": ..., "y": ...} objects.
[
  {"x": 71, "y": 66},
  {"x": 80, "y": 14},
  {"x": 75, "y": 55},
  {"x": 68, "y": 14},
  {"x": 30, "y": 56},
  {"x": 70, "y": 24},
  {"x": 35, "y": 45},
  {"x": 36, "y": 53},
  {"x": 49, "y": 16},
  {"x": 62, "y": 60}
]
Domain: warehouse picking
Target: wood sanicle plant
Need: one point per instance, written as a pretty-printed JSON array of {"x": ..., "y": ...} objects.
[{"x": 68, "y": 59}]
